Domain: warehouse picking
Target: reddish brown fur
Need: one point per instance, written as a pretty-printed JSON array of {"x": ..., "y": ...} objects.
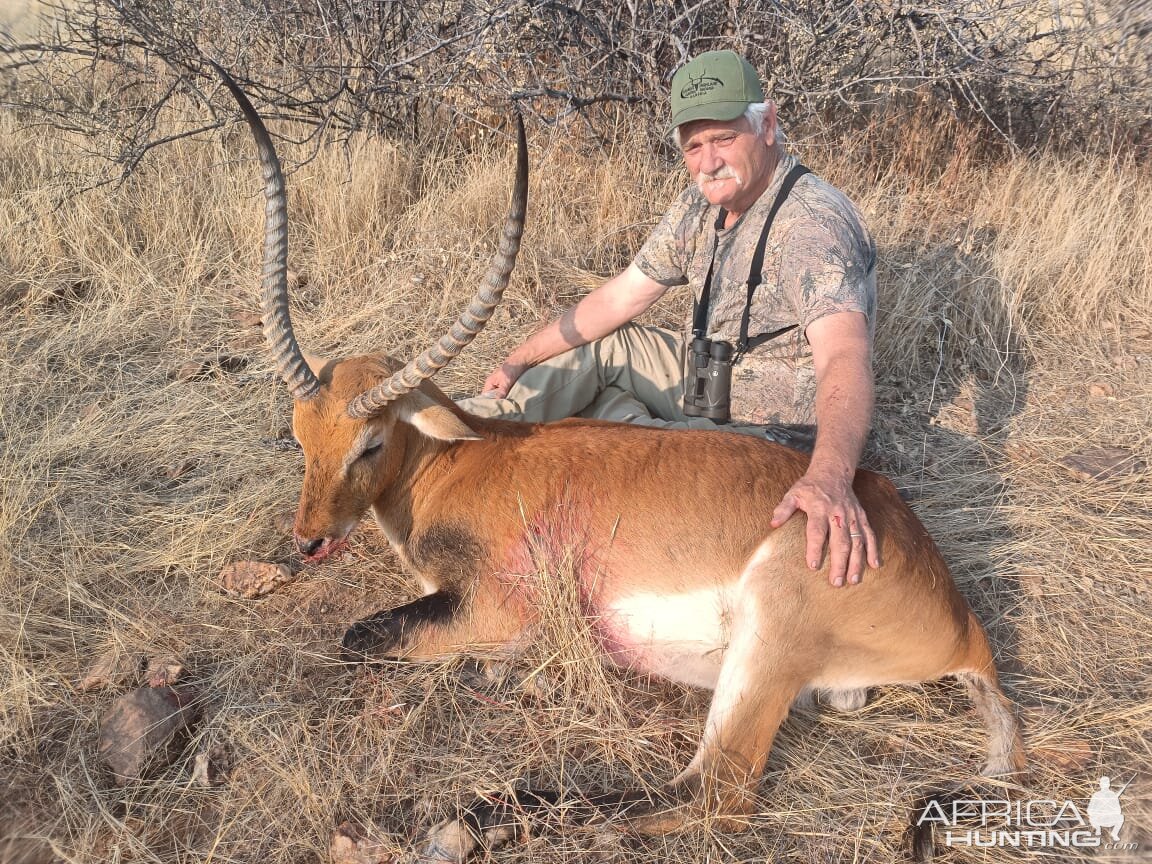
[{"x": 656, "y": 513}]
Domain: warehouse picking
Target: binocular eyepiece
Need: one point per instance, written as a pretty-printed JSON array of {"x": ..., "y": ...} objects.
[{"x": 708, "y": 382}]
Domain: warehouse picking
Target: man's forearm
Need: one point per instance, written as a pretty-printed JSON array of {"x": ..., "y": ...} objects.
[
  {"x": 844, "y": 401},
  {"x": 608, "y": 307},
  {"x": 583, "y": 323},
  {"x": 842, "y": 356}
]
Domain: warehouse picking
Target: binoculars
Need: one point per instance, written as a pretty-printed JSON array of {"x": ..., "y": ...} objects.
[{"x": 708, "y": 380}]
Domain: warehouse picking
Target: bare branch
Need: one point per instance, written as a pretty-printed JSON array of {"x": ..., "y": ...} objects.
[{"x": 119, "y": 70}]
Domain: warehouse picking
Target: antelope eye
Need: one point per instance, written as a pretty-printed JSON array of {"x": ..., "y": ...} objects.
[{"x": 370, "y": 451}]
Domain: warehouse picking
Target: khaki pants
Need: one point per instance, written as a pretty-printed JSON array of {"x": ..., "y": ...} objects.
[{"x": 633, "y": 375}]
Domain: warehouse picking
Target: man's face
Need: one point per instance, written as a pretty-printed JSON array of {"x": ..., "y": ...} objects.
[{"x": 731, "y": 165}]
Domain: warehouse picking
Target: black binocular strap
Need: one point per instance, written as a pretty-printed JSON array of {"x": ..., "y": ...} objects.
[
  {"x": 700, "y": 306},
  {"x": 754, "y": 274}
]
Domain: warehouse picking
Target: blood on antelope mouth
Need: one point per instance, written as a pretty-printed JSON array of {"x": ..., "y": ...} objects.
[{"x": 327, "y": 549}]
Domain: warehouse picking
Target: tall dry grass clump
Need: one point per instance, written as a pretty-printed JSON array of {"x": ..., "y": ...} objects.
[{"x": 144, "y": 443}]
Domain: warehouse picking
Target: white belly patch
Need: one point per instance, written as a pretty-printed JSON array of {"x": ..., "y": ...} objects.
[{"x": 681, "y": 637}]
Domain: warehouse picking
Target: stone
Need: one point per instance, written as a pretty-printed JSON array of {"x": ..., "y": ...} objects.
[
  {"x": 163, "y": 671},
  {"x": 142, "y": 727},
  {"x": 1103, "y": 463},
  {"x": 253, "y": 579}
]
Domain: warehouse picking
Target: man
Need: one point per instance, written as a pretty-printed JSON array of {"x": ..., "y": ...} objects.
[{"x": 807, "y": 356}]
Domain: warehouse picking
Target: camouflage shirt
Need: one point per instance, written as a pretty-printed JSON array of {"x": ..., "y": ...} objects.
[{"x": 819, "y": 259}]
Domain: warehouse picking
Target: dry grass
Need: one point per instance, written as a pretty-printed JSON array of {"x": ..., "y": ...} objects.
[{"x": 1016, "y": 296}]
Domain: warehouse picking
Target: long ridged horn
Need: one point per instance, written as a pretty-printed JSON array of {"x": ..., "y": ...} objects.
[
  {"x": 479, "y": 310},
  {"x": 290, "y": 363}
]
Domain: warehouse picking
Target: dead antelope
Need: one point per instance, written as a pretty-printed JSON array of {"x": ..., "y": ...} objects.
[{"x": 706, "y": 595}]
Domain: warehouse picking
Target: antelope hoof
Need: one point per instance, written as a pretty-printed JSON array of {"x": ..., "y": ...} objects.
[
  {"x": 847, "y": 700},
  {"x": 484, "y": 825},
  {"x": 368, "y": 639},
  {"x": 678, "y": 809},
  {"x": 656, "y": 819}
]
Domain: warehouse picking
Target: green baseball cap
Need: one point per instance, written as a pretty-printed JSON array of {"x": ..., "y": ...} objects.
[{"x": 716, "y": 85}]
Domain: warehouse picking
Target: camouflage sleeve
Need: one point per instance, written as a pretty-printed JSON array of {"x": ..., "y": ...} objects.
[
  {"x": 828, "y": 266},
  {"x": 667, "y": 253}
]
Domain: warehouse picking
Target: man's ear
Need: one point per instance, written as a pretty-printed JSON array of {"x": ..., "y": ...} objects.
[
  {"x": 433, "y": 419},
  {"x": 770, "y": 128}
]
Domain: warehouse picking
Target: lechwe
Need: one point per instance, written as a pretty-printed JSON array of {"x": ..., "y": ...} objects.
[{"x": 678, "y": 567}]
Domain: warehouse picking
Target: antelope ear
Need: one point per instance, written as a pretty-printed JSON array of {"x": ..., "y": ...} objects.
[
  {"x": 433, "y": 419},
  {"x": 315, "y": 362}
]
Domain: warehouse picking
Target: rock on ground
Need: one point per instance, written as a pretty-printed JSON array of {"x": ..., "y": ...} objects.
[
  {"x": 252, "y": 579},
  {"x": 142, "y": 727}
]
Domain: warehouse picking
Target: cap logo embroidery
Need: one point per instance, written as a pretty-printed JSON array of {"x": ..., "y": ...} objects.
[{"x": 700, "y": 86}]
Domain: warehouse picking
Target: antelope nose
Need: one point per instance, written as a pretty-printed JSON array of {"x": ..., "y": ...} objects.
[{"x": 309, "y": 545}]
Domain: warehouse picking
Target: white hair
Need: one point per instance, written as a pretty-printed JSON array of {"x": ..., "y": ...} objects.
[{"x": 754, "y": 114}]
